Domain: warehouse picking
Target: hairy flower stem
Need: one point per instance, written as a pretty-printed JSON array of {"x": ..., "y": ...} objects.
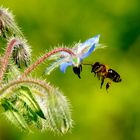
[
  {"x": 15, "y": 83},
  {"x": 43, "y": 58},
  {"x": 6, "y": 57}
]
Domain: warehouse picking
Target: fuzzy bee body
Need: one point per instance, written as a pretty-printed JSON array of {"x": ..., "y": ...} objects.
[{"x": 102, "y": 71}]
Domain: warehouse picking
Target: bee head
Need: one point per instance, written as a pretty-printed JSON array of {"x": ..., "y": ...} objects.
[{"x": 95, "y": 66}]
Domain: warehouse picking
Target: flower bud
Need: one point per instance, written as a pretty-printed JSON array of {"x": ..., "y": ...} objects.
[
  {"x": 58, "y": 112},
  {"x": 21, "y": 53},
  {"x": 23, "y": 109},
  {"x": 8, "y": 27}
]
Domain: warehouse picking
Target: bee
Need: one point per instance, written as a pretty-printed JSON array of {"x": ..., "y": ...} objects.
[{"x": 102, "y": 72}]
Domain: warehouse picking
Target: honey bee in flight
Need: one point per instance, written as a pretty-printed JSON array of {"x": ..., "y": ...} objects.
[{"x": 102, "y": 72}]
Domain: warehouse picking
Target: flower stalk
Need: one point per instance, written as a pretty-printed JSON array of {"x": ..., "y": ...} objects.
[
  {"x": 43, "y": 58},
  {"x": 6, "y": 57},
  {"x": 40, "y": 83}
]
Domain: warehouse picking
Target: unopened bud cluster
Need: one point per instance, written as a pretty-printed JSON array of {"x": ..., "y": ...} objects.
[
  {"x": 30, "y": 104},
  {"x": 9, "y": 30}
]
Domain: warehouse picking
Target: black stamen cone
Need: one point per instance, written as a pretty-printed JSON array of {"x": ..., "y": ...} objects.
[{"x": 77, "y": 70}]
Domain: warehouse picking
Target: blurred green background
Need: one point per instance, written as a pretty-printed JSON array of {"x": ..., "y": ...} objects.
[{"x": 97, "y": 115}]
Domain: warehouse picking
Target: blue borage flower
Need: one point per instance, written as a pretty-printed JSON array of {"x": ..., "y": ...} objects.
[{"x": 81, "y": 51}]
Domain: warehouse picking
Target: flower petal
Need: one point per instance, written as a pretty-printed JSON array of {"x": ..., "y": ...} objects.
[
  {"x": 64, "y": 66},
  {"x": 88, "y": 46},
  {"x": 91, "y": 41},
  {"x": 89, "y": 52}
]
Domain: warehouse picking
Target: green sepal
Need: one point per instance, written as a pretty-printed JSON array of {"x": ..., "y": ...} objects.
[
  {"x": 8, "y": 105},
  {"x": 30, "y": 116},
  {"x": 58, "y": 112},
  {"x": 13, "y": 114},
  {"x": 11, "y": 73},
  {"x": 26, "y": 95},
  {"x": 54, "y": 65}
]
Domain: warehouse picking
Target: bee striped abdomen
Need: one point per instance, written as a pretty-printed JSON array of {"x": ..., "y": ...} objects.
[{"x": 113, "y": 75}]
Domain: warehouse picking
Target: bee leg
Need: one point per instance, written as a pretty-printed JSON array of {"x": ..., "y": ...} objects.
[
  {"x": 98, "y": 75},
  {"x": 94, "y": 73},
  {"x": 108, "y": 85},
  {"x": 102, "y": 82}
]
